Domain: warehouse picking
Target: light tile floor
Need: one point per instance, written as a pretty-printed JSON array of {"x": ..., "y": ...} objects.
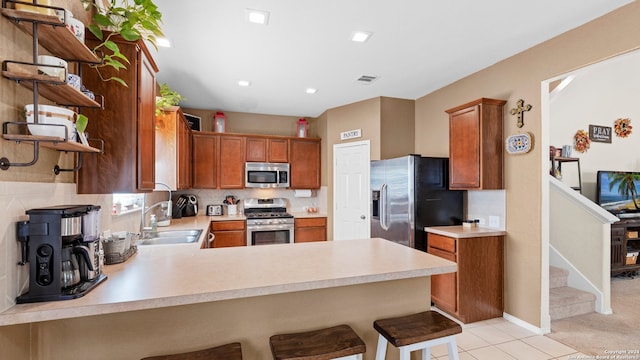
[{"x": 499, "y": 339}]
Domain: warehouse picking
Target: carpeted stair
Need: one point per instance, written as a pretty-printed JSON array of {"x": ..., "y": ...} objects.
[{"x": 566, "y": 301}]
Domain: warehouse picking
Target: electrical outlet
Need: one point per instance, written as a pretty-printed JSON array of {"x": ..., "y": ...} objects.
[{"x": 494, "y": 221}]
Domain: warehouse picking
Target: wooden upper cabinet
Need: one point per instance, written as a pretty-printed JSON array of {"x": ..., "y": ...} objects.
[
  {"x": 476, "y": 145},
  {"x": 184, "y": 152},
  {"x": 264, "y": 149},
  {"x": 231, "y": 164},
  {"x": 304, "y": 159},
  {"x": 256, "y": 149},
  {"x": 173, "y": 150},
  {"x": 205, "y": 160},
  {"x": 126, "y": 125}
]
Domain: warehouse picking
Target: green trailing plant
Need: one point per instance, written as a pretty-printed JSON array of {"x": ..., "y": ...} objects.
[
  {"x": 130, "y": 19},
  {"x": 167, "y": 98}
]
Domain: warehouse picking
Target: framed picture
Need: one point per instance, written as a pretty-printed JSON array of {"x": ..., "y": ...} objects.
[
  {"x": 194, "y": 121},
  {"x": 599, "y": 133}
]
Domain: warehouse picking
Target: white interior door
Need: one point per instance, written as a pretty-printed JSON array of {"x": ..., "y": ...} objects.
[{"x": 351, "y": 190}]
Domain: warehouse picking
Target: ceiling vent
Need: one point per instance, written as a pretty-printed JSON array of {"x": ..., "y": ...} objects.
[{"x": 366, "y": 79}]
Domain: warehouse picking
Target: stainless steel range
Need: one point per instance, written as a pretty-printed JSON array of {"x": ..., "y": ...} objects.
[{"x": 268, "y": 221}]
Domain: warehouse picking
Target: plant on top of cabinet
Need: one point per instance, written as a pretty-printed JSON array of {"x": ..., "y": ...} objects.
[
  {"x": 140, "y": 20},
  {"x": 167, "y": 99}
]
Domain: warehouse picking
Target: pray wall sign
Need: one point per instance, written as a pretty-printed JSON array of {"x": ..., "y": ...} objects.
[{"x": 599, "y": 133}]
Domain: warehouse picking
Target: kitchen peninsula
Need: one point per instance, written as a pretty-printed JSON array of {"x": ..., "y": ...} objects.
[{"x": 175, "y": 298}]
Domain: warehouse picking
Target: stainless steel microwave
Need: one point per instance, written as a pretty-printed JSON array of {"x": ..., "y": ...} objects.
[{"x": 266, "y": 175}]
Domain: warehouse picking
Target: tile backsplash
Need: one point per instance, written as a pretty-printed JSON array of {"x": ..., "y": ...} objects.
[
  {"x": 487, "y": 205},
  {"x": 318, "y": 198}
]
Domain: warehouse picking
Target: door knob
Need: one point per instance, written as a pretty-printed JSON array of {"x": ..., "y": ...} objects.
[{"x": 362, "y": 217}]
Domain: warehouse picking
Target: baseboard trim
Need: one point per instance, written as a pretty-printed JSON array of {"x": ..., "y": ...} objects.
[{"x": 523, "y": 324}]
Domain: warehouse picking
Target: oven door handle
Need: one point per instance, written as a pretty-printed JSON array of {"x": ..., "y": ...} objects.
[{"x": 270, "y": 227}]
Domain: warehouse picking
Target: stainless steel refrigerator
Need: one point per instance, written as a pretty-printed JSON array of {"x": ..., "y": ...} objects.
[{"x": 409, "y": 193}]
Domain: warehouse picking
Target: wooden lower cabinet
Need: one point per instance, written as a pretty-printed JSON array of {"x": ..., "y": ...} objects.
[
  {"x": 476, "y": 291},
  {"x": 310, "y": 229},
  {"x": 228, "y": 233},
  {"x": 625, "y": 240}
]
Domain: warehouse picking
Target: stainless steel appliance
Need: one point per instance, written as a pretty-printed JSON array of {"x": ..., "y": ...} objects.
[
  {"x": 268, "y": 221},
  {"x": 409, "y": 193},
  {"x": 185, "y": 205},
  {"x": 266, "y": 175},
  {"x": 61, "y": 263},
  {"x": 214, "y": 210}
]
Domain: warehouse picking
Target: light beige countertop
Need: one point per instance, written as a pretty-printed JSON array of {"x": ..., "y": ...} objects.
[
  {"x": 169, "y": 275},
  {"x": 460, "y": 232},
  {"x": 304, "y": 214},
  {"x": 222, "y": 217}
]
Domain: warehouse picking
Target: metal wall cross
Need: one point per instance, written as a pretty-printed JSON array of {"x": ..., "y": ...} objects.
[{"x": 520, "y": 111}]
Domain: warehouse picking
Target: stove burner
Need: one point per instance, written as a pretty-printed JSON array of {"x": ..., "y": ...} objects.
[{"x": 267, "y": 215}]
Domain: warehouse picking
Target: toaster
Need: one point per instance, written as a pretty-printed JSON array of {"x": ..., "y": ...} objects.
[{"x": 214, "y": 210}]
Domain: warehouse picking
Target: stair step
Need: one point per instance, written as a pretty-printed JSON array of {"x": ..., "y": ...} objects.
[
  {"x": 565, "y": 302},
  {"x": 557, "y": 277}
]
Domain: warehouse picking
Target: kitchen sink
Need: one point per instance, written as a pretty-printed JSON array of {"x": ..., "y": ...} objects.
[{"x": 171, "y": 237}]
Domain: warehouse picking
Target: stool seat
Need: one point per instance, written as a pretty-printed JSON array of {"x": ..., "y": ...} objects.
[
  {"x": 410, "y": 329},
  {"x": 231, "y": 351},
  {"x": 323, "y": 344},
  {"x": 415, "y": 332}
]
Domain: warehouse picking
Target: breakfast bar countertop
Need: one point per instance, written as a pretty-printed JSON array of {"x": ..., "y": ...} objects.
[
  {"x": 171, "y": 275},
  {"x": 459, "y": 231}
]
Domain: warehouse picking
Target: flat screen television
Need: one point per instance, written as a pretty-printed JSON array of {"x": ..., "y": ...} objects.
[{"x": 619, "y": 192}]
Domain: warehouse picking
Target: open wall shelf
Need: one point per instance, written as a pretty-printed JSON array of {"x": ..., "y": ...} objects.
[{"x": 50, "y": 32}]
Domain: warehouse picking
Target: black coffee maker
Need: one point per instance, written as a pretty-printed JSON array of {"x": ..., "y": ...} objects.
[{"x": 63, "y": 261}]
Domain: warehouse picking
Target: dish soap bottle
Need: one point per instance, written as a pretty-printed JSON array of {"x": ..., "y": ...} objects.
[{"x": 154, "y": 223}]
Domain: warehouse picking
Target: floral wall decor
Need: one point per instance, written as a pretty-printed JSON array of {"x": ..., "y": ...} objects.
[
  {"x": 623, "y": 127},
  {"x": 581, "y": 141}
]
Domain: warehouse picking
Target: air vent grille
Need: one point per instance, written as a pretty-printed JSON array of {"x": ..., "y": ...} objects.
[{"x": 366, "y": 79}]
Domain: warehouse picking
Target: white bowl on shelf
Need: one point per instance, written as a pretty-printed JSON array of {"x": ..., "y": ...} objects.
[
  {"x": 76, "y": 27},
  {"x": 52, "y": 66},
  {"x": 48, "y": 114}
]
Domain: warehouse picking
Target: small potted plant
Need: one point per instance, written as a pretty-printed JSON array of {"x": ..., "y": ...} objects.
[
  {"x": 167, "y": 99},
  {"x": 132, "y": 20}
]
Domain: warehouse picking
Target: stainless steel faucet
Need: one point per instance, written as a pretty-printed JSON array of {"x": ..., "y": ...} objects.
[{"x": 163, "y": 204}]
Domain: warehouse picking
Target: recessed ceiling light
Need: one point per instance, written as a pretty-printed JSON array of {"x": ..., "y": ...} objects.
[
  {"x": 257, "y": 16},
  {"x": 311, "y": 91},
  {"x": 361, "y": 36},
  {"x": 163, "y": 42},
  {"x": 244, "y": 83}
]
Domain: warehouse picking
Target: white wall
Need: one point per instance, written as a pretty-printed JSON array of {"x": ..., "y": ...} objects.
[{"x": 599, "y": 94}]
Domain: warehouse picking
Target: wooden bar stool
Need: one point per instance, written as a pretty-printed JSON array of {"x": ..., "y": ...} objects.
[
  {"x": 231, "y": 351},
  {"x": 418, "y": 331},
  {"x": 338, "y": 342}
]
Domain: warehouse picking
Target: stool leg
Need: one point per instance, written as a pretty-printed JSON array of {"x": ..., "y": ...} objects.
[
  {"x": 452, "y": 348},
  {"x": 381, "y": 351},
  {"x": 405, "y": 353},
  {"x": 426, "y": 353}
]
